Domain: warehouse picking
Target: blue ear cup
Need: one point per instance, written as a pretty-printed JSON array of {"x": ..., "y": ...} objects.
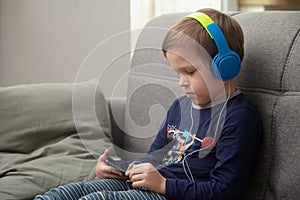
[
  {"x": 226, "y": 64},
  {"x": 226, "y": 67}
]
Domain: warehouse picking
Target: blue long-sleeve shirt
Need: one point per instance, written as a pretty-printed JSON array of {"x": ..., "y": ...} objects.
[{"x": 220, "y": 173}]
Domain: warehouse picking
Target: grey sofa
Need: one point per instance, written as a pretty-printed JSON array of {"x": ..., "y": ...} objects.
[
  {"x": 44, "y": 144},
  {"x": 270, "y": 78}
]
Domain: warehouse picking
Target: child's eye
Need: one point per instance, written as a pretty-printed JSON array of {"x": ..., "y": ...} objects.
[{"x": 190, "y": 72}]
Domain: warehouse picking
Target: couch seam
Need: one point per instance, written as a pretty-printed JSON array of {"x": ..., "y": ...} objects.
[
  {"x": 270, "y": 92},
  {"x": 271, "y": 154},
  {"x": 259, "y": 90},
  {"x": 287, "y": 60}
]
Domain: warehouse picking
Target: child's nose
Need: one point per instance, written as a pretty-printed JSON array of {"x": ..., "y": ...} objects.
[{"x": 183, "y": 81}]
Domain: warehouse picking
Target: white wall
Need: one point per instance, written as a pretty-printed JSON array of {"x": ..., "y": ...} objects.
[{"x": 47, "y": 40}]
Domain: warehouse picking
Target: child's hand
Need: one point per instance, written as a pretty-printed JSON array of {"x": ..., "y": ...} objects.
[
  {"x": 105, "y": 171},
  {"x": 146, "y": 175}
]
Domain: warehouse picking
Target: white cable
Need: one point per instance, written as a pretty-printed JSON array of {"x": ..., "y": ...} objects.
[
  {"x": 191, "y": 179},
  {"x": 189, "y": 173},
  {"x": 192, "y": 119}
]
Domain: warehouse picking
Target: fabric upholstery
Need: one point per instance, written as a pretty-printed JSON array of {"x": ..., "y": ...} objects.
[
  {"x": 269, "y": 78},
  {"x": 40, "y": 147}
]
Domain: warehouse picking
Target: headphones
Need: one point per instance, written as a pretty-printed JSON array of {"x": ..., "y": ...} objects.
[{"x": 226, "y": 64}]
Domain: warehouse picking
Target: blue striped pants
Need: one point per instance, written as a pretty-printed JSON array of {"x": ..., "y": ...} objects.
[{"x": 97, "y": 190}]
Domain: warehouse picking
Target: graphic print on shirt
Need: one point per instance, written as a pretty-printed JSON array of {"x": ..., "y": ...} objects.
[{"x": 184, "y": 140}]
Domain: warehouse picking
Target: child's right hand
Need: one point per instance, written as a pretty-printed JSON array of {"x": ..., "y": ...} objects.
[{"x": 105, "y": 171}]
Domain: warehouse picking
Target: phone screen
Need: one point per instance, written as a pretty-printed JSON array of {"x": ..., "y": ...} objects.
[{"x": 119, "y": 165}]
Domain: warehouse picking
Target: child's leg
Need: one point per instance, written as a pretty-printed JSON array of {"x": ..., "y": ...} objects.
[
  {"x": 138, "y": 194},
  {"x": 76, "y": 190}
]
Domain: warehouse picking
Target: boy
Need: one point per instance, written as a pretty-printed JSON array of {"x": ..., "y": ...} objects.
[{"x": 206, "y": 146}]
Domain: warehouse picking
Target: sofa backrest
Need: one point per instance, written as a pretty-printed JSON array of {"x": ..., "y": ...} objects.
[{"x": 270, "y": 78}]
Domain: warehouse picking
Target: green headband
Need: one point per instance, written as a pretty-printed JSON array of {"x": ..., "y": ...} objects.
[{"x": 203, "y": 18}]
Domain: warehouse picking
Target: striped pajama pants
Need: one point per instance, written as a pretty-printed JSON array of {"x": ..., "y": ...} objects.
[{"x": 97, "y": 190}]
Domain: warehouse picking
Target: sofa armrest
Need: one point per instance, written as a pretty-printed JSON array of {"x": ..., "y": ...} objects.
[{"x": 116, "y": 107}]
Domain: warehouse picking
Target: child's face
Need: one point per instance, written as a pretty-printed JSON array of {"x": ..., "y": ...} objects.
[{"x": 192, "y": 81}]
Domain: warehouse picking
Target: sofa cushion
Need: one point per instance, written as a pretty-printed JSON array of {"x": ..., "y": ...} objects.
[
  {"x": 270, "y": 79},
  {"x": 46, "y": 140}
]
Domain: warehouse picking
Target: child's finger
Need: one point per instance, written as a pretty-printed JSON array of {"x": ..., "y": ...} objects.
[
  {"x": 104, "y": 156},
  {"x": 112, "y": 170},
  {"x": 141, "y": 168}
]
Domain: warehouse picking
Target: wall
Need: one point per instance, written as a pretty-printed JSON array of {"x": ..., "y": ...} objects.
[{"x": 48, "y": 40}]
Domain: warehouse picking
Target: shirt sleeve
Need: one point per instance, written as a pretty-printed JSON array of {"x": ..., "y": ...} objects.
[{"x": 235, "y": 153}]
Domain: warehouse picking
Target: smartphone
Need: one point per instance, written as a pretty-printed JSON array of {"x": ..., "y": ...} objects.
[{"x": 121, "y": 166}]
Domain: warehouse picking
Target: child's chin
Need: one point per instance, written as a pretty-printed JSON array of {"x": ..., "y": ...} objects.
[
  {"x": 192, "y": 97},
  {"x": 197, "y": 102}
]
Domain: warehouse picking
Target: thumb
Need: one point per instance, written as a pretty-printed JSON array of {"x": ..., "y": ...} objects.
[{"x": 104, "y": 156}]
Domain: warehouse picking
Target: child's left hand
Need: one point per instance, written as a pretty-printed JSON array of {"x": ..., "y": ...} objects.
[{"x": 146, "y": 175}]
